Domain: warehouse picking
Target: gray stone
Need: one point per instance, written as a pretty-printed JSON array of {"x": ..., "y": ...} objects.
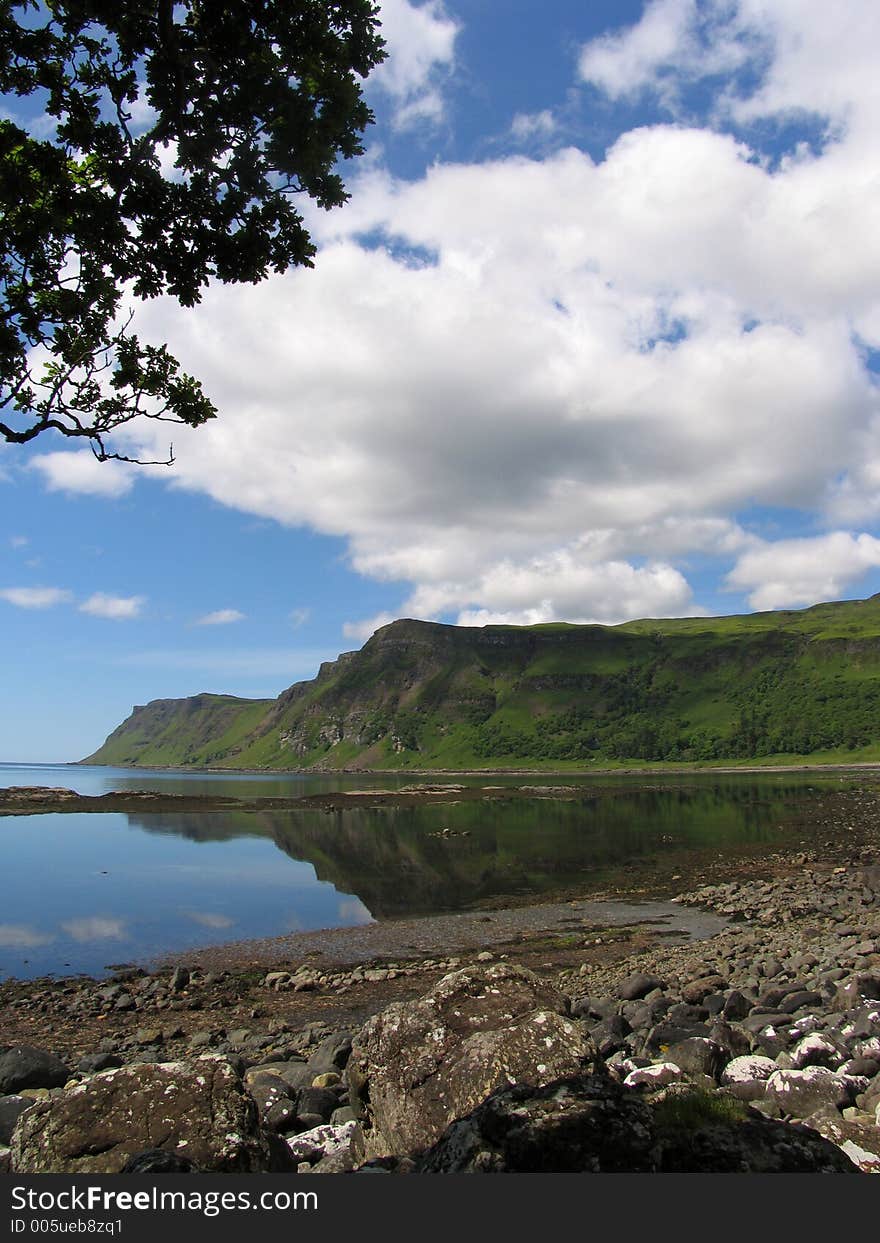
[
  {"x": 610, "y": 1035},
  {"x": 663, "y": 1035},
  {"x": 758, "y": 1021},
  {"x": 697, "y": 1056},
  {"x": 91, "y": 1063},
  {"x": 867, "y": 1066},
  {"x": 695, "y": 992},
  {"x": 179, "y": 979},
  {"x": 23, "y": 1066},
  {"x": 319, "y": 1102},
  {"x": 638, "y": 985},
  {"x": 294, "y": 1074},
  {"x": 748, "y": 1069},
  {"x": 800, "y": 1000},
  {"x": 732, "y": 1039},
  {"x": 332, "y": 1054},
  {"x": 268, "y": 1090},
  {"x": 281, "y": 1116},
  {"x": 11, "y": 1109},
  {"x": 584, "y": 1124}
]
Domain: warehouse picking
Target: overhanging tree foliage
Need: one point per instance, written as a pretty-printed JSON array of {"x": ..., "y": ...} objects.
[{"x": 156, "y": 146}]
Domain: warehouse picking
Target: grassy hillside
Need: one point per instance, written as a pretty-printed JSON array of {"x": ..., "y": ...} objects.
[
  {"x": 197, "y": 731},
  {"x": 763, "y": 686}
]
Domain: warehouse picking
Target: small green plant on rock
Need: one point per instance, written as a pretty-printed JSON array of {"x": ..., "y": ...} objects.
[{"x": 680, "y": 1114}]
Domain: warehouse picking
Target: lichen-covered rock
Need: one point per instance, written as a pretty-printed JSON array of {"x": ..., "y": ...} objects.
[
  {"x": 857, "y": 989},
  {"x": 325, "y": 1141},
  {"x": 860, "y": 1140},
  {"x": 589, "y": 1124},
  {"x": 748, "y": 1069},
  {"x": 199, "y": 1110},
  {"x": 660, "y": 1075},
  {"x": 800, "y": 1093},
  {"x": 418, "y": 1065},
  {"x": 746, "y": 1077},
  {"x": 816, "y": 1050}
]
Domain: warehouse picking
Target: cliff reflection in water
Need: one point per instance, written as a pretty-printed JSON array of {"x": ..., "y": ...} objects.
[{"x": 398, "y": 861}]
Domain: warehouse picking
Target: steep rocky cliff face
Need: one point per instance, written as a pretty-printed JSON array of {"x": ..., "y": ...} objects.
[{"x": 422, "y": 695}]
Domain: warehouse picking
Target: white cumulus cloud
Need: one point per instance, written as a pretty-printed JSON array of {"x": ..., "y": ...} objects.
[
  {"x": 529, "y": 125},
  {"x": 548, "y": 412},
  {"x": 802, "y": 61},
  {"x": 791, "y": 572},
  {"x": 80, "y": 472},
  {"x": 420, "y": 42},
  {"x": 113, "y": 608},
  {"x": 221, "y": 617},
  {"x": 35, "y": 597}
]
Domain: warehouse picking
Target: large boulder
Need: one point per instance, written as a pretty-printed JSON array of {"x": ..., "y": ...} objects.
[
  {"x": 199, "y": 1110},
  {"x": 583, "y": 1124},
  {"x": 23, "y": 1066},
  {"x": 420, "y": 1064},
  {"x": 800, "y": 1093},
  {"x": 589, "y": 1124},
  {"x": 746, "y": 1077}
]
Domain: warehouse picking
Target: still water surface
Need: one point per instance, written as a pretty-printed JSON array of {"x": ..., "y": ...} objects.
[{"x": 82, "y": 891}]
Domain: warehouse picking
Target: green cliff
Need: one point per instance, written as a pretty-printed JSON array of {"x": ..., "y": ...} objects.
[{"x": 762, "y": 686}]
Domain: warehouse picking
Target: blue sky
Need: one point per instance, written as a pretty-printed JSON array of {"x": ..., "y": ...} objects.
[{"x": 596, "y": 337}]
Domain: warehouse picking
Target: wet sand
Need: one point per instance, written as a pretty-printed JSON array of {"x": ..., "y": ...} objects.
[{"x": 462, "y": 932}]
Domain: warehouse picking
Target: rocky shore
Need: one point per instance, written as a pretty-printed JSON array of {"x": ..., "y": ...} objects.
[
  {"x": 38, "y": 800},
  {"x": 754, "y": 1049}
]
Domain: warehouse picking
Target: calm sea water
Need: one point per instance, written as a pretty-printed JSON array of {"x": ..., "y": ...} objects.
[{"x": 80, "y": 892}]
